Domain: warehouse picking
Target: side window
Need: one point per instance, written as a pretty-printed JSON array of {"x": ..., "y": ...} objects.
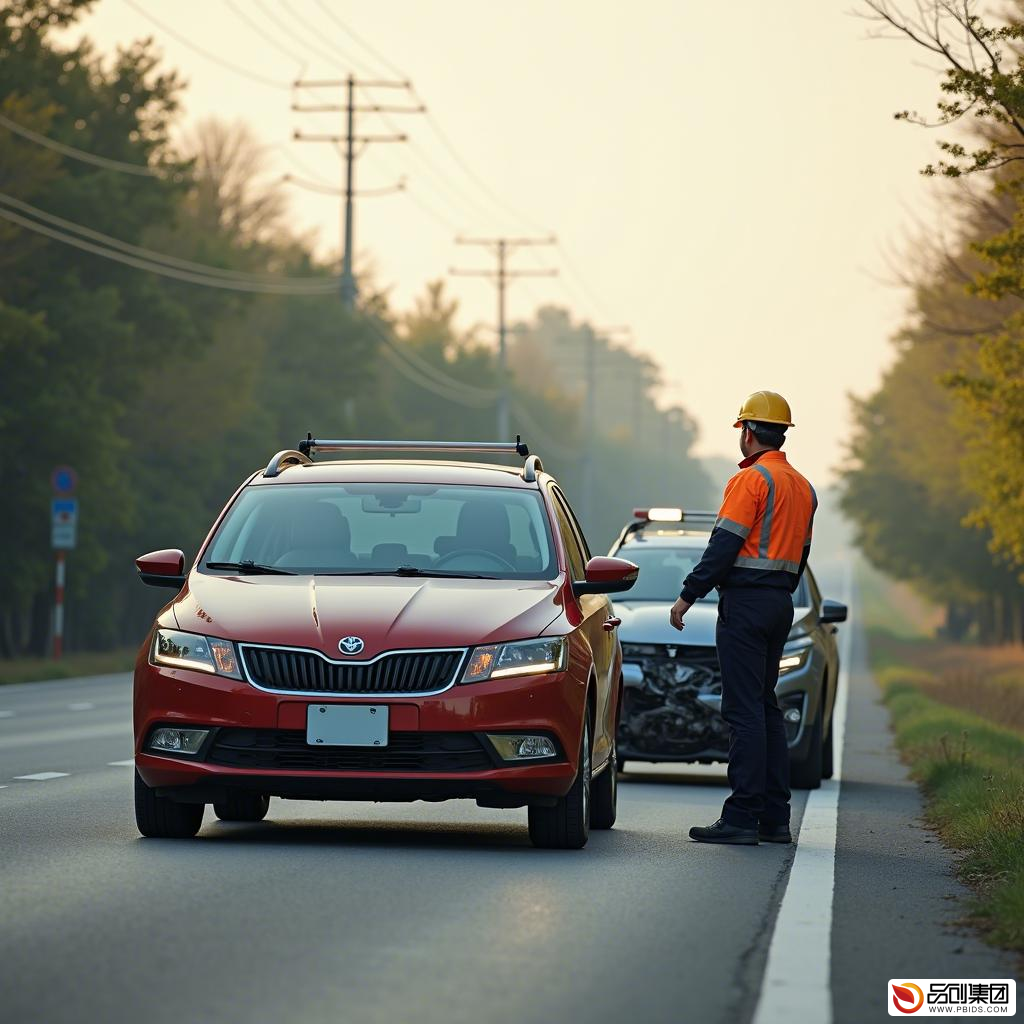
[
  {"x": 572, "y": 548},
  {"x": 584, "y": 546}
]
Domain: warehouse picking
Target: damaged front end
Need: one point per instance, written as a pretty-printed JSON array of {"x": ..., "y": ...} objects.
[{"x": 671, "y": 703}]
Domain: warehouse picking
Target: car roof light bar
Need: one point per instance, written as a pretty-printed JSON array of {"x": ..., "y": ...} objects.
[{"x": 312, "y": 444}]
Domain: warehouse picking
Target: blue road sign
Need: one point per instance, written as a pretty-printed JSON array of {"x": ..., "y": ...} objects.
[
  {"x": 64, "y": 480},
  {"x": 63, "y": 523}
]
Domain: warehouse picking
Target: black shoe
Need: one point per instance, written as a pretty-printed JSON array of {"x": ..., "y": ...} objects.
[
  {"x": 774, "y": 834},
  {"x": 723, "y": 832}
]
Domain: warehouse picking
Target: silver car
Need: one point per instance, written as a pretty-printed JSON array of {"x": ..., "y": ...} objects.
[{"x": 672, "y": 694}]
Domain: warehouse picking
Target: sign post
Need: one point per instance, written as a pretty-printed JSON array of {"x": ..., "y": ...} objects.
[{"x": 63, "y": 537}]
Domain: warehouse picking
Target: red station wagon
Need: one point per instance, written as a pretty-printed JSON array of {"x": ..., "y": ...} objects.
[{"x": 384, "y": 630}]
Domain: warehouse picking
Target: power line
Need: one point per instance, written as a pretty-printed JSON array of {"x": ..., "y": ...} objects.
[
  {"x": 185, "y": 41},
  {"x": 144, "y": 170},
  {"x": 391, "y": 353},
  {"x": 151, "y": 254},
  {"x": 284, "y": 288},
  {"x": 267, "y": 37}
]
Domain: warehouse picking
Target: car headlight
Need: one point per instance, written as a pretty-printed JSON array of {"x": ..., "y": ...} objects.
[
  {"x": 189, "y": 650},
  {"x": 795, "y": 654},
  {"x": 522, "y": 658}
]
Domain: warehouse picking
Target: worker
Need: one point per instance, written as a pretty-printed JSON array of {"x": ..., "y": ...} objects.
[{"x": 755, "y": 556}]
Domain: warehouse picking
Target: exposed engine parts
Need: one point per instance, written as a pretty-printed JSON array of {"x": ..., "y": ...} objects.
[{"x": 665, "y": 713}]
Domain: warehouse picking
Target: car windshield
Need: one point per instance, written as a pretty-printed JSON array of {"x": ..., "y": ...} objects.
[
  {"x": 663, "y": 569},
  {"x": 401, "y": 529}
]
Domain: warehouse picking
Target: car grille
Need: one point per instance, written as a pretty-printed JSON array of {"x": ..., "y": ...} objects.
[
  {"x": 666, "y": 714},
  {"x": 287, "y": 750},
  {"x": 305, "y": 671}
]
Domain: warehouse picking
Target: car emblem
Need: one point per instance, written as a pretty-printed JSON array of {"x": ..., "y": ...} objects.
[
  {"x": 350, "y": 644},
  {"x": 672, "y": 651}
]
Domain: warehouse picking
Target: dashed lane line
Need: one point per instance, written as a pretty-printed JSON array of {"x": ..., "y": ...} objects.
[
  {"x": 82, "y": 705},
  {"x": 43, "y": 776},
  {"x": 6, "y": 714},
  {"x": 130, "y": 763}
]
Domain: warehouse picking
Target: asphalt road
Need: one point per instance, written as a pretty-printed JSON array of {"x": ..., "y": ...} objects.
[{"x": 392, "y": 913}]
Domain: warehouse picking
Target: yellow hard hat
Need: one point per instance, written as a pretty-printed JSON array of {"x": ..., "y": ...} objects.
[{"x": 765, "y": 407}]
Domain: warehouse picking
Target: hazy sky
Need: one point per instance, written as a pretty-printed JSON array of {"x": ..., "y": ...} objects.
[{"x": 725, "y": 178}]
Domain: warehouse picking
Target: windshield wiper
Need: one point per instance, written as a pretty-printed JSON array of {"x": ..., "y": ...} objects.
[
  {"x": 250, "y": 568},
  {"x": 413, "y": 571}
]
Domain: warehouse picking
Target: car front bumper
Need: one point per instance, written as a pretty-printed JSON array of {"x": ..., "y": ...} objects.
[{"x": 550, "y": 704}]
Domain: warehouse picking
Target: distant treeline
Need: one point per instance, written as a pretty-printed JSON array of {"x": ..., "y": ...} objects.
[
  {"x": 173, "y": 352},
  {"x": 936, "y": 484}
]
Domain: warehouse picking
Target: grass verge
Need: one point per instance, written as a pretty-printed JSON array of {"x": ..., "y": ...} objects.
[
  {"x": 88, "y": 663},
  {"x": 972, "y": 773}
]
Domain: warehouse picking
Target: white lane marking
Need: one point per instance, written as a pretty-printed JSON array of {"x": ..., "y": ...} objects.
[
  {"x": 797, "y": 978},
  {"x": 43, "y": 776},
  {"x": 55, "y": 737},
  {"x": 83, "y": 705},
  {"x": 130, "y": 763},
  {"x": 6, "y": 714}
]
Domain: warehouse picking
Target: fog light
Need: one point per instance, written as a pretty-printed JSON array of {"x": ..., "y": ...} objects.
[
  {"x": 522, "y": 748},
  {"x": 178, "y": 741},
  {"x": 792, "y": 715}
]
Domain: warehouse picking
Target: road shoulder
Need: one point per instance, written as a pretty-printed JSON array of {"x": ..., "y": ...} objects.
[{"x": 898, "y": 907}]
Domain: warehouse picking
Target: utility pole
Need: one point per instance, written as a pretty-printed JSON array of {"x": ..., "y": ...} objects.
[
  {"x": 503, "y": 248},
  {"x": 353, "y": 144}
]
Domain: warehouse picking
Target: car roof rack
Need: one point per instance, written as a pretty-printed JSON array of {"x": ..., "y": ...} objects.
[{"x": 291, "y": 457}]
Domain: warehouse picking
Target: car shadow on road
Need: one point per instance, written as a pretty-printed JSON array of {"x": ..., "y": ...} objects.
[
  {"x": 363, "y": 833},
  {"x": 674, "y": 778}
]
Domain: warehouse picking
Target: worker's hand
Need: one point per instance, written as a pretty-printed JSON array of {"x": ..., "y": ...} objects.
[{"x": 679, "y": 609}]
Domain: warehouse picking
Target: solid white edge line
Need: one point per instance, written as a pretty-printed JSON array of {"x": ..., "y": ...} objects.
[
  {"x": 43, "y": 776},
  {"x": 797, "y": 977}
]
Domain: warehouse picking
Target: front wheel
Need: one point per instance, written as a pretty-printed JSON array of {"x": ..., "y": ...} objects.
[
  {"x": 566, "y": 826},
  {"x": 806, "y": 774},
  {"x": 160, "y": 818}
]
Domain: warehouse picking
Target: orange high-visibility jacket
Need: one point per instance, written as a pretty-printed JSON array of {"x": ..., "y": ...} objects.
[{"x": 763, "y": 533}]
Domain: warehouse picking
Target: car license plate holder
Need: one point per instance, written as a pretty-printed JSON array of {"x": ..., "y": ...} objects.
[{"x": 347, "y": 725}]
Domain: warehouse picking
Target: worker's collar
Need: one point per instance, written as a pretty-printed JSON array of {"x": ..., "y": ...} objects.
[{"x": 772, "y": 454}]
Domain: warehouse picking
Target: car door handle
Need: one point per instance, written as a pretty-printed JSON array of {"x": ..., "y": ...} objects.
[{"x": 611, "y": 623}]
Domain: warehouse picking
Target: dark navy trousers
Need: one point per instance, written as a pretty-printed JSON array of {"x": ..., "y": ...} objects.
[{"x": 753, "y": 625}]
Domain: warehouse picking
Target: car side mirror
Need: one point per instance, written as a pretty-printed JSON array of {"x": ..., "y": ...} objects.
[
  {"x": 832, "y": 611},
  {"x": 164, "y": 568},
  {"x": 605, "y": 575}
]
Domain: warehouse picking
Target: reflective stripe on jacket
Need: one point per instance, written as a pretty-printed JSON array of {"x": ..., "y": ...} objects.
[{"x": 763, "y": 533}]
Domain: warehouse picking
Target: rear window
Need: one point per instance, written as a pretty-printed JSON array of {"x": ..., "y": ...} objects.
[{"x": 322, "y": 529}]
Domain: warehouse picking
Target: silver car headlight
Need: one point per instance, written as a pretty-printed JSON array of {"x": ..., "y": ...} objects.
[
  {"x": 522, "y": 658},
  {"x": 795, "y": 654},
  {"x": 200, "y": 653}
]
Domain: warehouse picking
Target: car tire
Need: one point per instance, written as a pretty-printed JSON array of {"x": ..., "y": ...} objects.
[
  {"x": 243, "y": 807},
  {"x": 806, "y": 773},
  {"x": 604, "y": 794},
  {"x": 158, "y": 817},
  {"x": 566, "y": 825},
  {"x": 828, "y": 755}
]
